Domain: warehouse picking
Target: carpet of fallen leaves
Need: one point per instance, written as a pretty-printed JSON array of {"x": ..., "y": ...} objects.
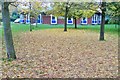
[{"x": 57, "y": 54}]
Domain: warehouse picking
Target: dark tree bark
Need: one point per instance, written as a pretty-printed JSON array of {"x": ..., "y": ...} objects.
[
  {"x": 115, "y": 23},
  {"x": 36, "y": 22},
  {"x": 66, "y": 13},
  {"x": 119, "y": 20},
  {"x": 7, "y": 31},
  {"x": 103, "y": 8},
  {"x": 119, "y": 28},
  {"x": 30, "y": 17},
  {"x": 75, "y": 23},
  {"x": 30, "y": 24}
]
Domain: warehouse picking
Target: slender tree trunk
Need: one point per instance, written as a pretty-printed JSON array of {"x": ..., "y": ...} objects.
[
  {"x": 118, "y": 29},
  {"x": 30, "y": 18},
  {"x": 115, "y": 23},
  {"x": 30, "y": 24},
  {"x": 66, "y": 13},
  {"x": 118, "y": 22},
  {"x": 7, "y": 31},
  {"x": 102, "y": 21},
  {"x": 36, "y": 22},
  {"x": 75, "y": 23}
]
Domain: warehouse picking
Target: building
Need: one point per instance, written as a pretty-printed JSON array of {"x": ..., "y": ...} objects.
[{"x": 50, "y": 19}]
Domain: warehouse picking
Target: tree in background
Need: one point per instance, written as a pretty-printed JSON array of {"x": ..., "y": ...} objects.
[
  {"x": 113, "y": 10},
  {"x": 7, "y": 30},
  {"x": 24, "y": 9},
  {"x": 72, "y": 9},
  {"x": 103, "y": 9},
  {"x": 79, "y": 10},
  {"x": 33, "y": 9},
  {"x": 0, "y": 14},
  {"x": 36, "y": 9},
  {"x": 14, "y": 16},
  {"x": 61, "y": 9},
  {"x": 30, "y": 15}
]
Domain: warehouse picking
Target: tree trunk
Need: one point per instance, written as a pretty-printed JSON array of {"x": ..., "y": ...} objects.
[
  {"x": 7, "y": 31},
  {"x": 30, "y": 24},
  {"x": 115, "y": 23},
  {"x": 66, "y": 13},
  {"x": 119, "y": 21},
  {"x": 30, "y": 17},
  {"x": 75, "y": 23},
  {"x": 36, "y": 22},
  {"x": 102, "y": 21},
  {"x": 119, "y": 25}
]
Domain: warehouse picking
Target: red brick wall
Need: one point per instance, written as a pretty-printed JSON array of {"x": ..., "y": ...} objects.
[
  {"x": 78, "y": 21},
  {"x": 60, "y": 21},
  {"x": 46, "y": 19},
  {"x": 89, "y": 20}
]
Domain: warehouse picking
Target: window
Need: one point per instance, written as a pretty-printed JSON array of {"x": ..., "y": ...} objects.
[
  {"x": 69, "y": 18},
  {"x": 83, "y": 18},
  {"x": 94, "y": 19},
  {"x": 39, "y": 19},
  {"x": 53, "y": 17}
]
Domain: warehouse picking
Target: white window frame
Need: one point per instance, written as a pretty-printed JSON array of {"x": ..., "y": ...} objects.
[
  {"x": 55, "y": 19},
  {"x": 71, "y": 20},
  {"x": 21, "y": 18},
  {"x": 27, "y": 18},
  {"x": 95, "y": 18},
  {"x": 99, "y": 19},
  {"x": 40, "y": 19},
  {"x": 82, "y": 21}
]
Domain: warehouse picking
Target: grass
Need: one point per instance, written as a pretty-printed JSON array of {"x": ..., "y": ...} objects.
[
  {"x": 17, "y": 28},
  {"x": 109, "y": 29}
]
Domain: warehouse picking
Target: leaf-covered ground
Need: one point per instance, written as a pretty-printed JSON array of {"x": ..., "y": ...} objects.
[{"x": 54, "y": 54}]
